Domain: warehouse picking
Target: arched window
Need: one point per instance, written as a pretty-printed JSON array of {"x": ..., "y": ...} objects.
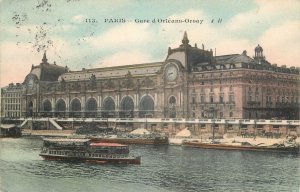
[
  {"x": 75, "y": 108},
  {"x": 91, "y": 105},
  {"x": 75, "y": 105},
  {"x": 108, "y": 107},
  {"x": 172, "y": 107},
  {"x": 91, "y": 108},
  {"x": 60, "y": 105},
  {"x": 146, "y": 106},
  {"x": 60, "y": 108},
  {"x": 172, "y": 100},
  {"x": 126, "y": 107},
  {"x": 47, "y": 106}
]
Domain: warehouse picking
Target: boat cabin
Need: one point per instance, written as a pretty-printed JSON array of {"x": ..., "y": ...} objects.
[
  {"x": 111, "y": 148},
  {"x": 85, "y": 145}
]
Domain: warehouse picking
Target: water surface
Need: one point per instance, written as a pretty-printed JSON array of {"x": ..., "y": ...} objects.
[{"x": 163, "y": 168}]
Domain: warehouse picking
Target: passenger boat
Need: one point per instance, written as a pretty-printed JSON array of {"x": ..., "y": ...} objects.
[
  {"x": 83, "y": 150},
  {"x": 244, "y": 146}
]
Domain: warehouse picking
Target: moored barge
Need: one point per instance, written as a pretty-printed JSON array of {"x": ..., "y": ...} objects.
[
  {"x": 294, "y": 148},
  {"x": 83, "y": 150},
  {"x": 124, "y": 140}
]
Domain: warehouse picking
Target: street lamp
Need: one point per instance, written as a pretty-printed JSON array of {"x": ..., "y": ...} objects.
[{"x": 212, "y": 116}]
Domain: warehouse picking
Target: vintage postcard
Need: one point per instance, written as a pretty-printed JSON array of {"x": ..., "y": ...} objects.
[{"x": 131, "y": 95}]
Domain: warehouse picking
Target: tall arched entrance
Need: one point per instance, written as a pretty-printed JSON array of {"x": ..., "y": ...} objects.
[
  {"x": 47, "y": 108},
  {"x": 60, "y": 108},
  {"x": 75, "y": 108},
  {"x": 108, "y": 109},
  {"x": 126, "y": 107},
  {"x": 91, "y": 108},
  {"x": 172, "y": 107},
  {"x": 146, "y": 107}
]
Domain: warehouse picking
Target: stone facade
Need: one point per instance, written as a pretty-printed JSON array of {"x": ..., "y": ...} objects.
[
  {"x": 190, "y": 83},
  {"x": 11, "y": 100}
]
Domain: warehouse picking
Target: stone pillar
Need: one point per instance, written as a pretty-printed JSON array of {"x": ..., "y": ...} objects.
[
  {"x": 82, "y": 106},
  {"x": 53, "y": 106},
  {"x": 67, "y": 113},
  {"x": 99, "y": 103},
  {"x": 155, "y": 100},
  {"x": 135, "y": 102},
  {"x": 117, "y": 108}
]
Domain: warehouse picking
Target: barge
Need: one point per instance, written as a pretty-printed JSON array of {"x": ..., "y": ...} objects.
[
  {"x": 84, "y": 150},
  {"x": 128, "y": 140},
  {"x": 244, "y": 146},
  {"x": 137, "y": 136}
]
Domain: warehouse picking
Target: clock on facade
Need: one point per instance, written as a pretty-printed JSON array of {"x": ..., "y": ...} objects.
[{"x": 171, "y": 72}]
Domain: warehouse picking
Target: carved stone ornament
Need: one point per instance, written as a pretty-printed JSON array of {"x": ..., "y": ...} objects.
[
  {"x": 109, "y": 84},
  {"x": 92, "y": 82},
  {"x": 147, "y": 82}
]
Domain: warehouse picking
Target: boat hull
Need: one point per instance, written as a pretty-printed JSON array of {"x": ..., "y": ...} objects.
[
  {"x": 135, "y": 160},
  {"x": 294, "y": 149}
]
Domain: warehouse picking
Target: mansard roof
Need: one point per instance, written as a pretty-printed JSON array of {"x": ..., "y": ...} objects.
[
  {"x": 114, "y": 72},
  {"x": 46, "y": 71},
  {"x": 194, "y": 54},
  {"x": 233, "y": 58}
]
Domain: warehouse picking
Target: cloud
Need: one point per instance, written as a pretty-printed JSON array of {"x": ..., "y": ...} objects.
[
  {"x": 211, "y": 35},
  {"x": 174, "y": 32},
  {"x": 78, "y": 18},
  {"x": 124, "y": 36},
  {"x": 125, "y": 58},
  {"x": 15, "y": 62},
  {"x": 16, "y": 59},
  {"x": 280, "y": 39},
  {"x": 265, "y": 14},
  {"x": 281, "y": 43},
  {"x": 31, "y": 30},
  {"x": 272, "y": 24}
]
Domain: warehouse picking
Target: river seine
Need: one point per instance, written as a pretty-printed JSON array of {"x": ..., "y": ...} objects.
[{"x": 163, "y": 168}]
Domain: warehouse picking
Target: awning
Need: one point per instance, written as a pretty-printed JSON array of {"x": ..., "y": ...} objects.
[
  {"x": 7, "y": 126},
  {"x": 140, "y": 131},
  {"x": 184, "y": 133}
]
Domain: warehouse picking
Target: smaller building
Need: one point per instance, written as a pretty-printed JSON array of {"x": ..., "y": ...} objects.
[{"x": 11, "y": 100}]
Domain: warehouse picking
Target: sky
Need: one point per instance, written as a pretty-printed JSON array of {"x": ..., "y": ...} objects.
[{"x": 80, "y": 33}]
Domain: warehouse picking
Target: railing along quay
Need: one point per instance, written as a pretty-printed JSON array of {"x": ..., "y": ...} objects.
[{"x": 172, "y": 120}]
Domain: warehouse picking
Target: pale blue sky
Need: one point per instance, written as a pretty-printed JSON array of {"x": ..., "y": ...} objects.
[{"x": 59, "y": 25}]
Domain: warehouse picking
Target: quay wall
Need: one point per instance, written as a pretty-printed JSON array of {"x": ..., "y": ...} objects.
[{"x": 198, "y": 127}]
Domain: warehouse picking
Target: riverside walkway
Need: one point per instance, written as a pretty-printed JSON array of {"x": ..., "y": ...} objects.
[{"x": 171, "y": 120}]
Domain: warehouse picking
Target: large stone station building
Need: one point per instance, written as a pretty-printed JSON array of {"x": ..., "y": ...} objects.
[{"x": 190, "y": 83}]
